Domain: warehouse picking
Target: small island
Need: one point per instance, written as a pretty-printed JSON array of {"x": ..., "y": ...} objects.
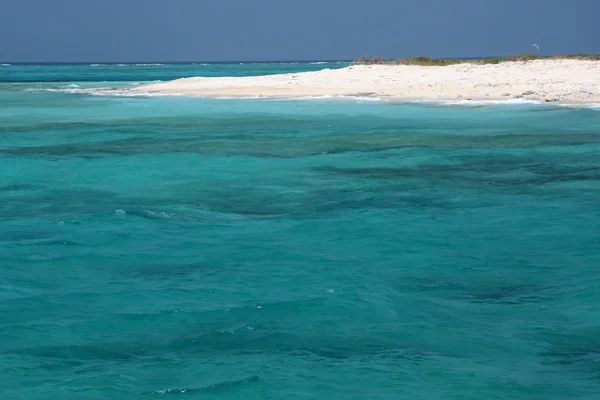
[{"x": 568, "y": 79}]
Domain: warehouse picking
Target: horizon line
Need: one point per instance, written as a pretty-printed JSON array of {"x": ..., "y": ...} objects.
[
  {"x": 177, "y": 62},
  {"x": 269, "y": 61}
]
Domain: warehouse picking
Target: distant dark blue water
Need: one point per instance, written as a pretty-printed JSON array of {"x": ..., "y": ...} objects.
[
  {"x": 300, "y": 249},
  {"x": 127, "y": 72}
]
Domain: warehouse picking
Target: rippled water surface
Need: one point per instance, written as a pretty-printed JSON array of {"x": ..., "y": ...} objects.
[{"x": 300, "y": 249}]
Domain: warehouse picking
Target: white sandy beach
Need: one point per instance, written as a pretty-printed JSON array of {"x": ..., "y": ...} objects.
[{"x": 562, "y": 81}]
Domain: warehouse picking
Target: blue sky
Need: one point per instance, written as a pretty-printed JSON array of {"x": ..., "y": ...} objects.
[{"x": 228, "y": 30}]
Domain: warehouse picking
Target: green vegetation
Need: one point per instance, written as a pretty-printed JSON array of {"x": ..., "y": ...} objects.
[{"x": 428, "y": 61}]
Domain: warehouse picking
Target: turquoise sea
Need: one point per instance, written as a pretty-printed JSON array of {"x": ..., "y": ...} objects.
[{"x": 170, "y": 247}]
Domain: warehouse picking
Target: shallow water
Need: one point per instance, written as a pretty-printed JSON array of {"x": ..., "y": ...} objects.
[{"x": 154, "y": 247}]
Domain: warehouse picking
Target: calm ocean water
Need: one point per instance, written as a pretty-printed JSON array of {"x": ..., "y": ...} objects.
[{"x": 156, "y": 247}]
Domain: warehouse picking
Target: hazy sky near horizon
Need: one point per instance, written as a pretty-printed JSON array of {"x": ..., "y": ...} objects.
[{"x": 228, "y": 30}]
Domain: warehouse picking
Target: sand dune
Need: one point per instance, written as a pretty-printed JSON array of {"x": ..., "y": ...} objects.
[{"x": 564, "y": 81}]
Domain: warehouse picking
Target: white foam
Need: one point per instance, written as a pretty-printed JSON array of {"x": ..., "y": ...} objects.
[
  {"x": 164, "y": 391},
  {"x": 340, "y": 97},
  {"x": 117, "y": 93},
  {"x": 97, "y": 65},
  {"x": 160, "y": 214},
  {"x": 506, "y": 102},
  {"x": 238, "y": 97},
  {"x": 592, "y": 106},
  {"x": 146, "y": 65},
  {"x": 324, "y": 97},
  {"x": 64, "y": 90},
  {"x": 473, "y": 103},
  {"x": 111, "y": 92},
  {"x": 374, "y": 99},
  {"x": 319, "y": 62},
  {"x": 362, "y": 98},
  {"x": 5, "y": 65},
  {"x": 106, "y": 92}
]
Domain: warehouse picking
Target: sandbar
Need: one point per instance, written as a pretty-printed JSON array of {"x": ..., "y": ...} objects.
[{"x": 558, "y": 81}]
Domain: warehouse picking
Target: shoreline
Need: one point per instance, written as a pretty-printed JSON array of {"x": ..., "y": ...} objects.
[{"x": 545, "y": 81}]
